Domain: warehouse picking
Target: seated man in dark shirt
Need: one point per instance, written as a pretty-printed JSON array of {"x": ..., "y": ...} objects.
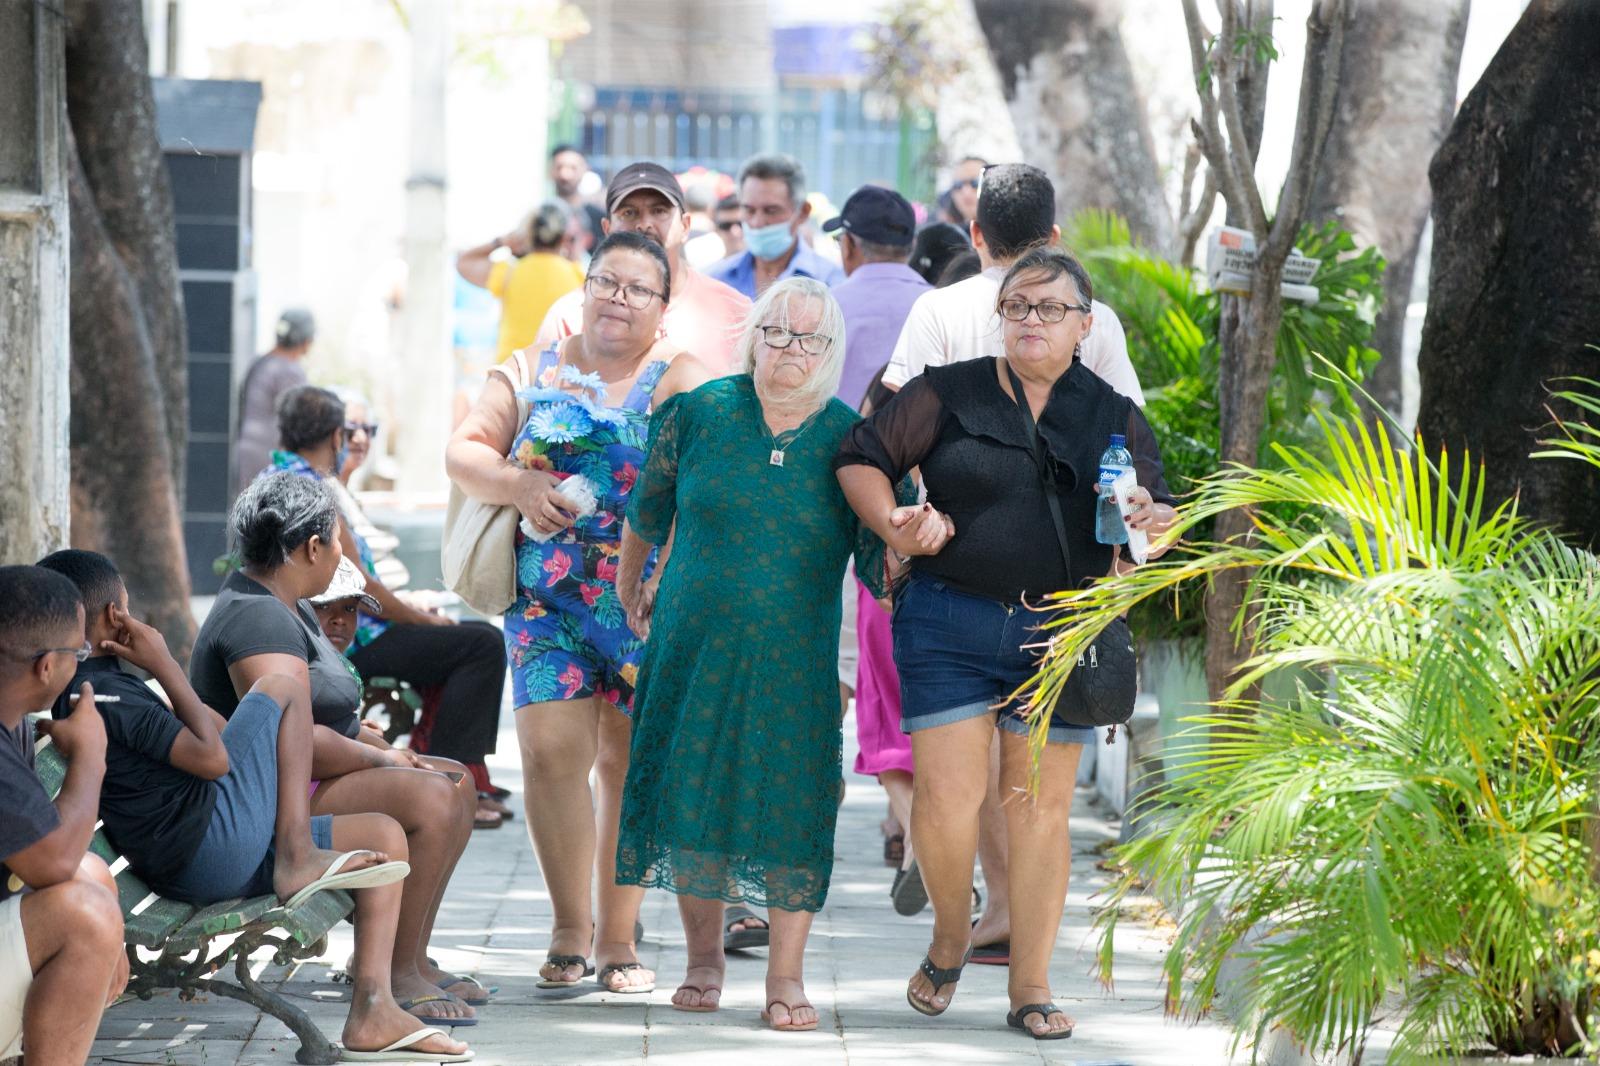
[
  {"x": 61, "y": 959},
  {"x": 207, "y": 808}
]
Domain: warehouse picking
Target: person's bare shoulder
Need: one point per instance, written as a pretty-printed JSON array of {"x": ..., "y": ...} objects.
[{"x": 685, "y": 373}]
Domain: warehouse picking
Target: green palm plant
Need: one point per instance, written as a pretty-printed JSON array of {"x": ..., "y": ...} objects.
[{"x": 1415, "y": 827}]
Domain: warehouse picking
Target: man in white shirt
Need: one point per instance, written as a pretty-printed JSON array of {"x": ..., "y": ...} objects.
[{"x": 1016, "y": 210}]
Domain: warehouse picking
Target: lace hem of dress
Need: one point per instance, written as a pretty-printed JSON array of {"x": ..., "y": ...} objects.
[{"x": 730, "y": 878}]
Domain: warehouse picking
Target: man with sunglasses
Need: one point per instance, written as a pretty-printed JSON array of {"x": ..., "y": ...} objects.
[
  {"x": 61, "y": 958},
  {"x": 704, "y": 314},
  {"x": 1016, "y": 206}
]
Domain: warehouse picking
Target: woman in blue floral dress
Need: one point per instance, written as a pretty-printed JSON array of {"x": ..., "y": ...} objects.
[{"x": 581, "y": 409}]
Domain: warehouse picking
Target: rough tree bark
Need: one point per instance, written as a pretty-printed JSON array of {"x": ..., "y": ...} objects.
[
  {"x": 1249, "y": 328},
  {"x": 1076, "y": 109},
  {"x": 1397, "y": 82},
  {"x": 1514, "y": 298},
  {"x": 129, "y": 410}
]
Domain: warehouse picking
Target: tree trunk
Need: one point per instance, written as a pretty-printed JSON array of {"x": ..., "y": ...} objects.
[
  {"x": 129, "y": 385},
  {"x": 1398, "y": 91},
  {"x": 1076, "y": 109},
  {"x": 1515, "y": 294}
]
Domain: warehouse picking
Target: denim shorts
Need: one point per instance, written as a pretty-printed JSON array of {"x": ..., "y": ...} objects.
[
  {"x": 236, "y": 856},
  {"x": 961, "y": 656}
]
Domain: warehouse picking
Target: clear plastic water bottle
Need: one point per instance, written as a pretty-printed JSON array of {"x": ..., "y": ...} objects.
[{"x": 1108, "y": 527}]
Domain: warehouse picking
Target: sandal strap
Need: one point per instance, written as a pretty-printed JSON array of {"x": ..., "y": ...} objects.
[
  {"x": 618, "y": 967},
  {"x": 939, "y": 978},
  {"x": 564, "y": 961},
  {"x": 1044, "y": 1010}
]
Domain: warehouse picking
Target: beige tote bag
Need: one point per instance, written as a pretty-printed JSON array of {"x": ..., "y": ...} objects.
[{"x": 479, "y": 551}]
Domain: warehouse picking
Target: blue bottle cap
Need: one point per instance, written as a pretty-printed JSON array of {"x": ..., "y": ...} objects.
[{"x": 1118, "y": 440}]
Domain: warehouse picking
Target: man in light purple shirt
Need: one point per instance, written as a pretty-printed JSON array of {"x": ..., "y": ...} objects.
[{"x": 875, "y": 230}]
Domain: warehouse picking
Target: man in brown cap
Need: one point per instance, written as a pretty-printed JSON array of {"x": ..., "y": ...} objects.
[{"x": 704, "y": 315}]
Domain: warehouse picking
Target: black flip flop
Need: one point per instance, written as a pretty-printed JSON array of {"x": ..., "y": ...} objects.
[
  {"x": 908, "y": 893},
  {"x": 996, "y": 954},
  {"x": 1017, "y": 1020},
  {"x": 743, "y": 939},
  {"x": 938, "y": 978},
  {"x": 562, "y": 962}
]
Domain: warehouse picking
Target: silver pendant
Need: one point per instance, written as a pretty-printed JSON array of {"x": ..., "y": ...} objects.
[{"x": 777, "y": 457}]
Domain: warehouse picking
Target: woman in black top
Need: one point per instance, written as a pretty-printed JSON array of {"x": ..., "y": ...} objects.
[
  {"x": 962, "y": 630},
  {"x": 286, "y": 529}
]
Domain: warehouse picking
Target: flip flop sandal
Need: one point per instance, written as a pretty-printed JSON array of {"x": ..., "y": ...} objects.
[
  {"x": 477, "y": 998},
  {"x": 743, "y": 939},
  {"x": 563, "y": 961},
  {"x": 482, "y": 819},
  {"x": 397, "y": 1051},
  {"x": 996, "y": 954},
  {"x": 700, "y": 1009},
  {"x": 496, "y": 806},
  {"x": 938, "y": 978},
  {"x": 417, "y": 1001},
  {"x": 766, "y": 1016},
  {"x": 908, "y": 892},
  {"x": 626, "y": 990},
  {"x": 385, "y": 873},
  {"x": 1043, "y": 1010},
  {"x": 894, "y": 850}
]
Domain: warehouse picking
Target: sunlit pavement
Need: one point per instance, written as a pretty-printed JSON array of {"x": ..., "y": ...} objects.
[{"x": 495, "y": 923}]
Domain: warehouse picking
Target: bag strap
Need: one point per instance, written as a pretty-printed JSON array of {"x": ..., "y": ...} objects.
[{"x": 1047, "y": 472}]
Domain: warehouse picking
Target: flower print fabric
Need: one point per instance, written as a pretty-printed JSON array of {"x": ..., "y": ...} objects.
[
  {"x": 567, "y": 636},
  {"x": 732, "y": 790}
]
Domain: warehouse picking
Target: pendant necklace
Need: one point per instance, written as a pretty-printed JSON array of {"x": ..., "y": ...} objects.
[{"x": 781, "y": 442}]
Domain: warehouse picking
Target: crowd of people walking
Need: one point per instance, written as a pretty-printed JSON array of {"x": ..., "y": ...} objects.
[{"x": 741, "y": 493}]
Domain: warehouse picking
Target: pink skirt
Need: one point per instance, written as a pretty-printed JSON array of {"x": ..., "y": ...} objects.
[{"x": 883, "y": 745}]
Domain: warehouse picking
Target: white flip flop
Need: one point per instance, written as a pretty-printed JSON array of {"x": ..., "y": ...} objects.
[
  {"x": 386, "y": 873},
  {"x": 396, "y": 1052}
]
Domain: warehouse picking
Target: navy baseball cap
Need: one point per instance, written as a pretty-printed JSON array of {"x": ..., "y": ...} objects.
[{"x": 877, "y": 215}]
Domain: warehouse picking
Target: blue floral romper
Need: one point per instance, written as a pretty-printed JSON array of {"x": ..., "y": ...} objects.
[{"x": 567, "y": 636}]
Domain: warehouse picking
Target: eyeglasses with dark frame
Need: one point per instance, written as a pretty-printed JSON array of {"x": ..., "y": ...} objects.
[
  {"x": 810, "y": 343},
  {"x": 1016, "y": 309},
  {"x": 352, "y": 428},
  {"x": 604, "y": 287}
]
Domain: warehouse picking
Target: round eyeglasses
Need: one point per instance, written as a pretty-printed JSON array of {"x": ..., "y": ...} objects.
[
  {"x": 810, "y": 343},
  {"x": 604, "y": 287},
  {"x": 1050, "y": 311}
]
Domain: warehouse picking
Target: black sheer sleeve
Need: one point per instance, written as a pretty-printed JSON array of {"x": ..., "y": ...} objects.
[
  {"x": 899, "y": 436},
  {"x": 1147, "y": 456}
]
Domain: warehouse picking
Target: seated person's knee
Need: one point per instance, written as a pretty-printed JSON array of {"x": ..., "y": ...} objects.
[
  {"x": 90, "y": 910},
  {"x": 279, "y": 688}
]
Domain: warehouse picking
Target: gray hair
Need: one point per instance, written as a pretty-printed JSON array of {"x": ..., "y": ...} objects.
[
  {"x": 779, "y": 166},
  {"x": 278, "y": 512},
  {"x": 775, "y": 308},
  {"x": 296, "y": 326},
  {"x": 307, "y": 415},
  {"x": 547, "y": 226}
]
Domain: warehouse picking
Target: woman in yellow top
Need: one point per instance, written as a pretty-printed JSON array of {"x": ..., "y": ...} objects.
[{"x": 528, "y": 284}]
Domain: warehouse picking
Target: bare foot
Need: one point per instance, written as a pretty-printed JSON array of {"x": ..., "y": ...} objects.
[
  {"x": 943, "y": 957},
  {"x": 567, "y": 942},
  {"x": 1039, "y": 1024},
  {"x": 291, "y": 873},
  {"x": 991, "y": 929},
  {"x": 788, "y": 1008},
  {"x": 376, "y": 1021},
  {"x": 420, "y": 990},
  {"x": 701, "y": 989},
  {"x": 620, "y": 954}
]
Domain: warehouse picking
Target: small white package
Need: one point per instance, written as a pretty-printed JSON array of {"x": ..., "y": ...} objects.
[
  {"x": 579, "y": 491},
  {"x": 1138, "y": 540}
]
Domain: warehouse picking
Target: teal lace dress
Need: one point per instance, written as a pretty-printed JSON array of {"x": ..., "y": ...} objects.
[{"x": 732, "y": 791}]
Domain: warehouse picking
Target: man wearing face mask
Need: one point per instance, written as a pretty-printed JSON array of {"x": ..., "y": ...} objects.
[
  {"x": 704, "y": 315},
  {"x": 772, "y": 196}
]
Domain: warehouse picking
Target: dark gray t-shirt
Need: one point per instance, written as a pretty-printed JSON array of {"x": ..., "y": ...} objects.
[
  {"x": 29, "y": 814},
  {"x": 268, "y": 378},
  {"x": 247, "y": 619}
]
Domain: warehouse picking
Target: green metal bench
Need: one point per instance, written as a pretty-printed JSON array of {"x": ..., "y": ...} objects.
[{"x": 185, "y": 937}]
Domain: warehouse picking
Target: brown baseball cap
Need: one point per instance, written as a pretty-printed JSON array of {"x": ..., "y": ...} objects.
[{"x": 636, "y": 176}]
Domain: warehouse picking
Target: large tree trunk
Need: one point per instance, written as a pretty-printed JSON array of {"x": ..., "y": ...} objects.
[
  {"x": 129, "y": 412},
  {"x": 1398, "y": 90},
  {"x": 1515, "y": 294},
  {"x": 1077, "y": 112}
]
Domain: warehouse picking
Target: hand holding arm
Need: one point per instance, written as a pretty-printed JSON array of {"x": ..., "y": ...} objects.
[{"x": 197, "y": 750}]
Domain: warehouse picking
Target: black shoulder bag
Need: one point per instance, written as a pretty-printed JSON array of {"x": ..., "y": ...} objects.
[{"x": 1102, "y": 684}]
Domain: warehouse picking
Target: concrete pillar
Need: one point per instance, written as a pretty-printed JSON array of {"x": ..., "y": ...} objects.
[{"x": 35, "y": 368}]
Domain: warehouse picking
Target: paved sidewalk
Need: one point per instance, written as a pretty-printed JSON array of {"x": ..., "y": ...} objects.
[{"x": 495, "y": 923}]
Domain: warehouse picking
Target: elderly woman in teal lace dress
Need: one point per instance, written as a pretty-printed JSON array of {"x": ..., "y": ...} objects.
[{"x": 735, "y": 766}]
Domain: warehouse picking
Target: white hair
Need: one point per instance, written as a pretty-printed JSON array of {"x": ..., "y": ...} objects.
[{"x": 775, "y": 307}]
